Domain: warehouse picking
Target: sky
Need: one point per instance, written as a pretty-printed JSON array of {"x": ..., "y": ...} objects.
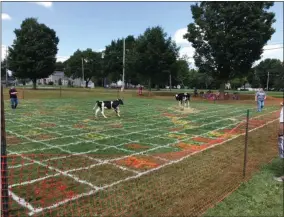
[{"x": 82, "y": 25}]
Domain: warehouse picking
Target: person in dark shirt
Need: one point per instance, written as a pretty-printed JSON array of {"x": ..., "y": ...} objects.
[{"x": 13, "y": 97}]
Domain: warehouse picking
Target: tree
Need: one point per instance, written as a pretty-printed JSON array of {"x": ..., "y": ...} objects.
[
  {"x": 260, "y": 72},
  {"x": 229, "y": 37},
  {"x": 90, "y": 60},
  {"x": 156, "y": 56},
  {"x": 59, "y": 66},
  {"x": 3, "y": 69},
  {"x": 33, "y": 53},
  {"x": 113, "y": 60},
  {"x": 182, "y": 71}
]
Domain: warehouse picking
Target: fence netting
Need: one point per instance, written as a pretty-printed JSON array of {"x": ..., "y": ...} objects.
[{"x": 185, "y": 182}]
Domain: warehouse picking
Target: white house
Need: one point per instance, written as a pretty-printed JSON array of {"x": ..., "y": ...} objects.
[{"x": 64, "y": 79}]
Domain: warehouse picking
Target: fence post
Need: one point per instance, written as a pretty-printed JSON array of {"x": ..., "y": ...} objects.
[
  {"x": 246, "y": 145},
  {"x": 4, "y": 167},
  {"x": 60, "y": 91}
]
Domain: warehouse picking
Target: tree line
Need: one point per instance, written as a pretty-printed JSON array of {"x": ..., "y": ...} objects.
[{"x": 228, "y": 38}]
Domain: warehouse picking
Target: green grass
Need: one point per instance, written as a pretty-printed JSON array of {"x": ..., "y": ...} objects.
[{"x": 260, "y": 196}]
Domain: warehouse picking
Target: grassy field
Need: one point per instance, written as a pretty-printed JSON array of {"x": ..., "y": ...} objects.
[
  {"x": 151, "y": 161},
  {"x": 260, "y": 196}
]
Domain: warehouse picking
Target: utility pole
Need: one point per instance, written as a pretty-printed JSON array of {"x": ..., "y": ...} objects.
[
  {"x": 123, "y": 67},
  {"x": 267, "y": 81},
  {"x": 170, "y": 81},
  {"x": 83, "y": 71}
]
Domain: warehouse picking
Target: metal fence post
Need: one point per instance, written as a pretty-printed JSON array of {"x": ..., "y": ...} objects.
[
  {"x": 246, "y": 145},
  {"x": 4, "y": 167},
  {"x": 60, "y": 91}
]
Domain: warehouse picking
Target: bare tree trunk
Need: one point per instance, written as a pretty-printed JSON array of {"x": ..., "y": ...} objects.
[
  {"x": 86, "y": 84},
  {"x": 34, "y": 83},
  {"x": 149, "y": 87},
  {"x": 222, "y": 91}
]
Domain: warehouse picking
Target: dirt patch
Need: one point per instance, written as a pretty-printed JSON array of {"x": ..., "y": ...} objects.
[
  {"x": 28, "y": 114},
  {"x": 116, "y": 126},
  {"x": 44, "y": 113},
  {"x": 79, "y": 126},
  {"x": 136, "y": 146},
  {"x": 13, "y": 140},
  {"x": 174, "y": 155},
  {"x": 183, "y": 110},
  {"x": 47, "y": 125},
  {"x": 43, "y": 137},
  {"x": 175, "y": 129}
]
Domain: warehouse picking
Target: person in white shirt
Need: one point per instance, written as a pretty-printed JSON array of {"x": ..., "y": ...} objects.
[{"x": 281, "y": 141}]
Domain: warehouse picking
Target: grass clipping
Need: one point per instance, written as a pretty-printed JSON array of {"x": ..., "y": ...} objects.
[{"x": 183, "y": 110}]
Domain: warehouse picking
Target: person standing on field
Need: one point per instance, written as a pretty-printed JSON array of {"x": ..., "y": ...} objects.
[
  {"x": 281, "y": 141},
  {"x": 260, "y": 97},
  {"x": 13, "y": 97}
]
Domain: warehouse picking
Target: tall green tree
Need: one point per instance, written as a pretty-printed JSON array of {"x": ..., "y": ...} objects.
[
  {"x": 33, "y": 52},
  {"x": 259, "y": 75},
  {"x": 59, "y": 66},
  {"x": 182, "y": 68},
  {"x": 156, "y": 56},
  {"x": 113, "y": 59},
  {"x": 229, "y": 37},
  {"x": 86, "y": 63},
  {"x": 3, "y": 69}
]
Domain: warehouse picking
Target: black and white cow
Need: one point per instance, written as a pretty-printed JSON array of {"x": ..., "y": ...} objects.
[
  {"x": 183, "y": 98},
  {"x": 102, "y": 105}
]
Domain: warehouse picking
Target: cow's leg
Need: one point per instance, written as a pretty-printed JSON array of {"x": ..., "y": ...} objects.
[
  {"x": 97, "y": 111},
  {"x": 103, "y": 112},
  {"x": 117, "y": 111}
]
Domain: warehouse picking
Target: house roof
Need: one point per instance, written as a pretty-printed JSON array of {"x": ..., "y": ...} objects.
[{"x": 58, "y": 73}]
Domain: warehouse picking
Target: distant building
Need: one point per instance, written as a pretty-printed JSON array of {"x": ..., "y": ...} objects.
[{"x": 57, "y": 75}]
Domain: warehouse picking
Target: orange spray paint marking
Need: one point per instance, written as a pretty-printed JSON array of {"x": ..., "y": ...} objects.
[{"x": 138, "y": 163}]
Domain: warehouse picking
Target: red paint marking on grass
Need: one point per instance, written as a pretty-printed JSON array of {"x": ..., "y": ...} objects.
[
  {"x": 191, "y": 147},
  {"x": 203, "y": 139},
  {"x": 175, "y": 129},
  {"x": 168, "y": 115},
  {"x": 138, "y": 162},
  {"x": 50, "y": 189}
]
